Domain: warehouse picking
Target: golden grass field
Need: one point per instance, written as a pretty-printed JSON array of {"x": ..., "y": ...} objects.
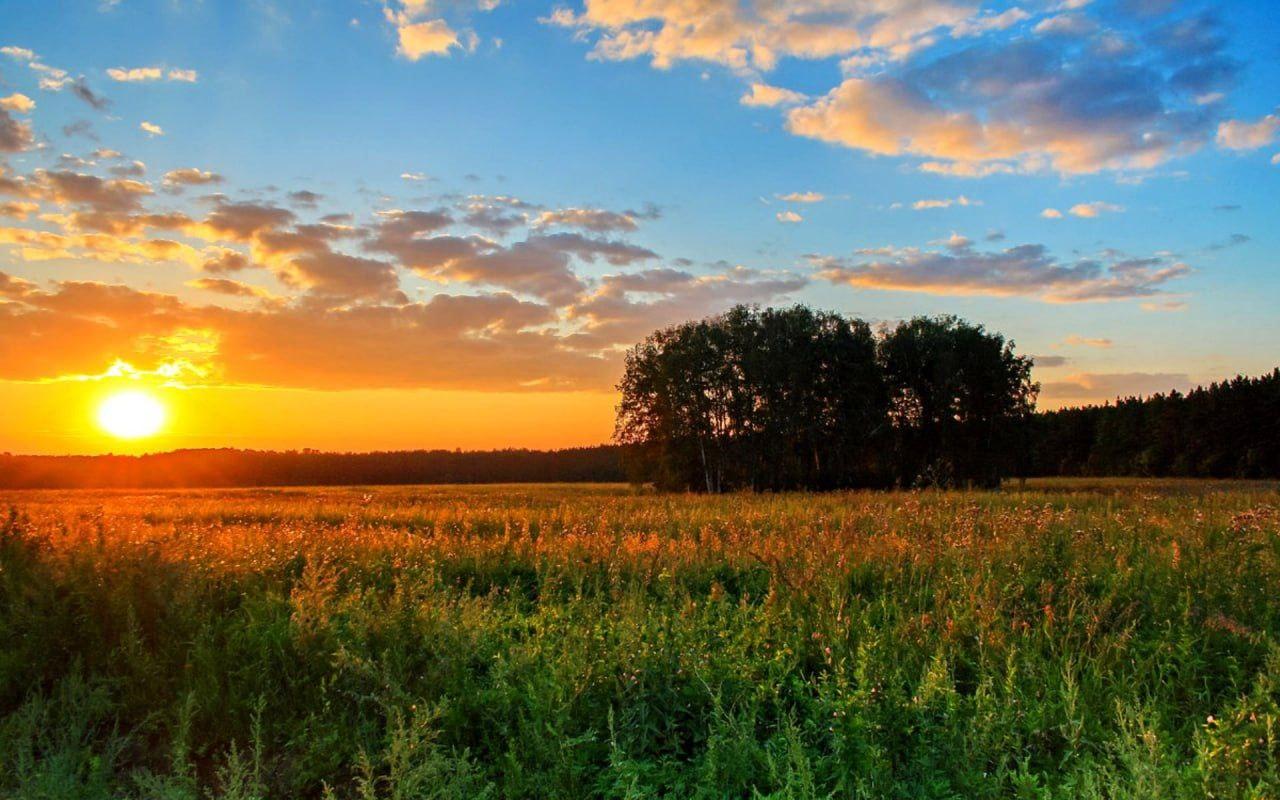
[{"x": 1065, "y": 638}]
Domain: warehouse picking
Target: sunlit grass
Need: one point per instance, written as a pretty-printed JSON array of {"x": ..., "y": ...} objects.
[{"x": 1059, "y": 639}]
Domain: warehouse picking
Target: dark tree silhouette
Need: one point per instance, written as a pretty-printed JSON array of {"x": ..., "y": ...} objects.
[
  {"x": 1229, "y": 429},
  {"x": 959, "y": 398},
  {"x": 766, "y": 400},
  {"x": 800, "y": 399},
  {"x": 227, "y": 467}
]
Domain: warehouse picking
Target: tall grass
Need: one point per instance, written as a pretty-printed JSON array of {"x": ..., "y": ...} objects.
[{"x": 1068, "y": 640}]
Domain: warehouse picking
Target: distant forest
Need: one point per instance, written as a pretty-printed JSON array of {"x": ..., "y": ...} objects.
[
  {"x": 1226, "y": 430},
  {"x": 228, "y": 467}
]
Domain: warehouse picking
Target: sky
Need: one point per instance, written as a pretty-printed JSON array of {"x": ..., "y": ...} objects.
[{"x": 404, "y": 224}]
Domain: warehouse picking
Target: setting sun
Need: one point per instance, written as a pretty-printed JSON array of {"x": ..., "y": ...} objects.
[{"x": 131, "y": 414}]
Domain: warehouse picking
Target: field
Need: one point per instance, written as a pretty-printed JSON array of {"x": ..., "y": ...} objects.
[{"x": 1080, "y": 639}]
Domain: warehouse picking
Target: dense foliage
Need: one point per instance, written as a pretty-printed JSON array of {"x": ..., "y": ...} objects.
[
  {"x": 1226, "y": 430},
  {"x": 960, "y": 399},
  {"x": 795, "y": 398},
  {"x": 1107, "y": 640}
]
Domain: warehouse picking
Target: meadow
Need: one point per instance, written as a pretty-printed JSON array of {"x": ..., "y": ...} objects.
[{"x": 1062, "y": 639}]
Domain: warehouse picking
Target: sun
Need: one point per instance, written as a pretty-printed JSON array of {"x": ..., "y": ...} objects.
[{"x": 131, "y": 414}]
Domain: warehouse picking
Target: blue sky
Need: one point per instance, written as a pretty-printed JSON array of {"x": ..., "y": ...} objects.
[{"x": 942, "y": 145}]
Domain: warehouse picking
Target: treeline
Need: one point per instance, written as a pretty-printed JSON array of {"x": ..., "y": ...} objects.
[
  {"x": 782, "y": 399},
  {"x": 228, "y": 467},
  {"x": 1225, "y": 430},
  {"x": 790, "y": 399}
]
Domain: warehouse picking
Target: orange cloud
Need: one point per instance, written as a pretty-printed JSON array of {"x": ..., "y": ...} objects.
[
  {"x": 422, "y": 32},
  {"x": 190, "y": 176},
  {"x": 477, "y": 341},
  {"x": 18, "y": 102},
  {"x": 230, "y": 288},
  {"x": 1094, "y": 209},
  {"x": 135, "y": 74},
  {"x": 762, "y": 95},
  {"x": 1101, "y": 387},
  {"x": 755, "y": 35},
  {"x": 430, "y": 37}
]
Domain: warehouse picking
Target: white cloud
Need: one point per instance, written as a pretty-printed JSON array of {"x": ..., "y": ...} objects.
[
  {"x": 946, "y": 202},
  {"x": 18, "y": 53},
  {"x": 1066, "y": 25},
  {"x": 151, "y": 128},
  {"x": 966, "y": 169},
  {"x": 135, "y": 74},
  {"x": 150, "y": 74},
  {"x": 1237, "y": 134},
  {"x": 987, "y": 22},
  {"x": 802, "y": 197},
  {"x": 790, "y": 217}
]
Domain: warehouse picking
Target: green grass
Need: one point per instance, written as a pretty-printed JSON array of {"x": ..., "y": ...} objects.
[{"x": 1066, "y": 639}]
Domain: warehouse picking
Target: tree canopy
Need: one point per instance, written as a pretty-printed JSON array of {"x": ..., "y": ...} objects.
[
  {"x": 958, "y": 399},
  {"x": 794, "y": 398}
]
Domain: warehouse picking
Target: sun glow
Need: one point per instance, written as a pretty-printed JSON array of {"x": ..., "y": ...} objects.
[{"x": 131, "y": 414}]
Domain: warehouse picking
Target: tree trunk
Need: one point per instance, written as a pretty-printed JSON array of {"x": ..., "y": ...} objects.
[{"x": 706, "y": 471}]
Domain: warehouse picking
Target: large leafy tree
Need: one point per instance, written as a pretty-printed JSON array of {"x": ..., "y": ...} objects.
[
  {"x": 801, "y": 399},
  {"x": 959, "y": 400},
  {"x": 766, "y": 400}
]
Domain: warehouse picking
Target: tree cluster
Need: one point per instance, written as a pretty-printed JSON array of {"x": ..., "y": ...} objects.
[
  {"x": 782, "y": 399},
  {"x": 1225, "y": 430}
]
